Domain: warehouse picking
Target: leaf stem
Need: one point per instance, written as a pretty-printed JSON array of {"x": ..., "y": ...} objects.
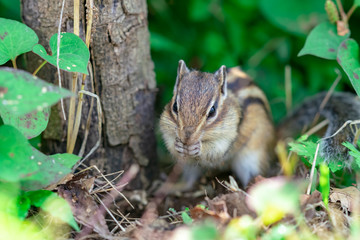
[
  {"x": 350, "y": 12},
  {"x": 14, "y": 62},
  {"x": 39, "y": 67},
  {"x": 341, "y": 9}
]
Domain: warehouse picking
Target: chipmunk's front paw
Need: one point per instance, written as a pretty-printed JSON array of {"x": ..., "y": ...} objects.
[{"x": 192, "y": 150}]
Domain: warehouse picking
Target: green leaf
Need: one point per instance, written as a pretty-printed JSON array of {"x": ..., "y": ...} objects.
[
  {"x": 15, "y": 155},
  {"x": 37, "y": 198},
  {"x": 335, "y": 166},
  {"x": 353, "y": 152},
  {"x": 348, "y": 58},
  {"x": 323, "y": 41},
  {"x": 9, "y": 193},
  {"x": 15, "y": 38},
  {"x": 74, "y": 55},
  {"x": 186, "y": 218},
  {"x": 205, "y": 231},
  {"x": 20, "y": 162},
  {"x": 51, "y": 169},
  {"x": 292, "y": 16},
  {"x": 23, "y": 204},
  {"x": 21, "y": 92},
  {"x": 324, "y": 183},
  {"x": 30, "y": 124},
  {"x": 305, "y": 148},
  {"x": 59, "y": 208},
  {"x": 199, "y": 10},
  {"x": 357, "y": 3},
  {"x": 284, "y": 199}
]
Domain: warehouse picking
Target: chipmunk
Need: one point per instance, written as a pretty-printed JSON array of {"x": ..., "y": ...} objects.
[
  {"x": 219, "y": 121},
  {"x": 223, "y": 121}
]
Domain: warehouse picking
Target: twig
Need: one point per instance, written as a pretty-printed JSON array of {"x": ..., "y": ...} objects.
[
  {"x": 341, "y": 9},
  {"x": 99, "y": 110},
  {"x": 74, "y": 79},
  {"x": 58, "y": 56},
  {"x": 312, "y": 170},
  {"x": 39, "y": 67},
  {"x": 351, "y": 11},
  {"x": 88, "y": 121},
  {"x": 76, "y": 125}
]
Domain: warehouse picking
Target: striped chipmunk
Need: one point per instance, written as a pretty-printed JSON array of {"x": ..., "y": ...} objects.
[{"x": 222, "y": 121}]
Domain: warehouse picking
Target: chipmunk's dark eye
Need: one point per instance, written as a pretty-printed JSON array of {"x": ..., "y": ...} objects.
[
  {"x": 211, "y": 112},
  {"x": 175, "y": 107}
]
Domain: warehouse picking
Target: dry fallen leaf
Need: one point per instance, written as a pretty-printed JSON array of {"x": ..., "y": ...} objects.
[{"x": 349, "y": 197}]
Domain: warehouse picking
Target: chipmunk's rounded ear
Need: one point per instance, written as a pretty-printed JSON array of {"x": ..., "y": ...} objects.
[
  {"x": 220, "y": 75},
  {"x": 182, "y": 68}
]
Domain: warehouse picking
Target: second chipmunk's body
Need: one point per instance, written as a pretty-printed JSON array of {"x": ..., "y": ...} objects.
[{"x": 221, "y": 121}]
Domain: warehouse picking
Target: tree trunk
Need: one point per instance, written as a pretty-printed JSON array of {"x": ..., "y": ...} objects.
[{"x": 123, "y": 79}]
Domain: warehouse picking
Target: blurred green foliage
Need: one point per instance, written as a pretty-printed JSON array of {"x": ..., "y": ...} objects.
[{"x": 262, "y": 36}]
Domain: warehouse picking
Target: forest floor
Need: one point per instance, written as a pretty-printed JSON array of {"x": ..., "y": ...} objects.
[{"x": 215, "y": 208}]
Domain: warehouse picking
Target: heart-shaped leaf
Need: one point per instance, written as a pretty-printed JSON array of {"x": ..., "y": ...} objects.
[
  {"x": 348, "y": 58},
  {"x": 21, "y": 92},
  {"x": 323, "y": 41},
  {"x": 20, "y": 162},
  {"x": 15, "y": 38},
  {"x": 30, "y": 124},
  {"x": 74, "y": 55}
]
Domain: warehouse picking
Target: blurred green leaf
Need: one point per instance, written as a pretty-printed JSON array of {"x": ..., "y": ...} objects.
[
  {"x": 23, "y": 204},
  {"x": 9, "y": 198},
  {"x": 205, "y": 231},
  {"x": 292, "y": 16},
  {"x": 199, "y": 10},
  {"x": 74, "y": 55},
  {"x": 357, "y": 3},
  {"x": 21, "y": 93},
  {"x": 353, "y": 152},
  {"x": 15, "y": 38},
  {"x": 186, "y": 218},
  {"x": 38, "y": 197},
  {"x": 284, "y": 199},
  {"x": 324, "y": 183},
  {"x": 243, "y": 227},
  {"x": 10, "y": 9},
  {"x": 57, "y": 207},
  {"x": 30, "y": 124},
  {"x": 348, "y": 58},
  {"x": 323, "y": 41},
  {"x": 162, "y": 43},
  {"x": 280, "y": 232}
]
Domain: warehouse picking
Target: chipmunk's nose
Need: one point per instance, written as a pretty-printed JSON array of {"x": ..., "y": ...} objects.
[{"x": 186, "y": 135}]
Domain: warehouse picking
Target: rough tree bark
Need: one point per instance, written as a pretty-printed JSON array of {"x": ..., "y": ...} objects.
[{"x": 123, "y": 78}]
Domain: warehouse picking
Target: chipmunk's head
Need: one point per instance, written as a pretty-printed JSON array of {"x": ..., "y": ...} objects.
[{"x": 198, "y": 96}]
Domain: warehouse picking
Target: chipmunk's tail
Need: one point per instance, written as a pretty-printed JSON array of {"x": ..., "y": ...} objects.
[{"x": 340, "y": 108}]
